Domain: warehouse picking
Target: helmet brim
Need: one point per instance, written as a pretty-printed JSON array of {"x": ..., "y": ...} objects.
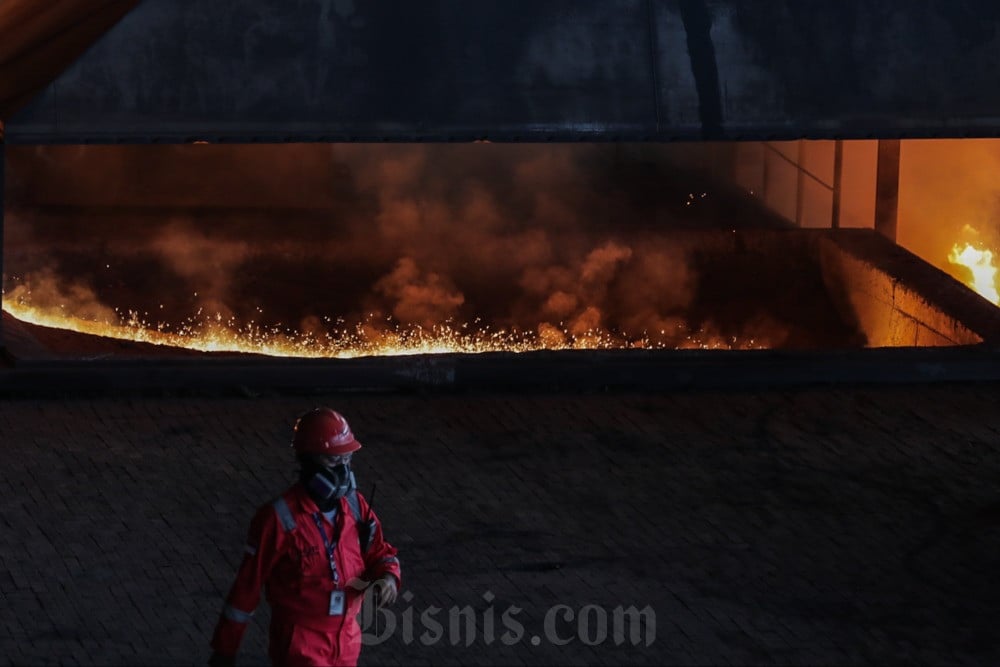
[
  {"x": 352, "y": 446},
  {"x": 332, "y": 450},
  {"x": 345, "y": 448}
]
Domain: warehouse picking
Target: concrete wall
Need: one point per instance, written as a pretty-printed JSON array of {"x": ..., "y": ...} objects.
[
  {"x": 889, "y": 295},
  {"x": 897, "y": 299},
  {"x": 440, "y": 70}
]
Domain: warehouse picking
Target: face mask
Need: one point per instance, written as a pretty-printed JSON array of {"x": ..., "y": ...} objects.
[{"x": 325, "y": 485}]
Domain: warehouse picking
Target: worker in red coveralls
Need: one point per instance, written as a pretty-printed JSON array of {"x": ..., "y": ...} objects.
[{"x": 315, "y": 549}]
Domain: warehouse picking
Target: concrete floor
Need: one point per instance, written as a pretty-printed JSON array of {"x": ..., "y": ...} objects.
[{"x": 815, "y": 526}]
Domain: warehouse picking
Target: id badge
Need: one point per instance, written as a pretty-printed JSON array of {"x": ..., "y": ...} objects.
[{"x": 336, "y": 603}]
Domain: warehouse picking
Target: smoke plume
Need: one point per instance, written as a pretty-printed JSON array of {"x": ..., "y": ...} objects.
[{"x": 554, "y": 241}]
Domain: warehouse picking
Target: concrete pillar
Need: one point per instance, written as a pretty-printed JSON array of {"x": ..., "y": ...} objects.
[
  {"x": 800, "y": 182},
  {"x": 838, "y": 170},
  {"x": 887, "y": 188},
  {"x": 3, "y": 165}
]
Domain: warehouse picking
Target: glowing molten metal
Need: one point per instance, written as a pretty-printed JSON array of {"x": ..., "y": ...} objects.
[
  {"x": 980, "y": 264},
  {"x": 214, "y": 334}
]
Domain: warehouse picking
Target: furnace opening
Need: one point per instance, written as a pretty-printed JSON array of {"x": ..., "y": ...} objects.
[{"x": 334, "y": 250}]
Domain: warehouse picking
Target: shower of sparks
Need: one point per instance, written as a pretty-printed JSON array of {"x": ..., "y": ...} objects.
[{"x": 370, "y": 338}]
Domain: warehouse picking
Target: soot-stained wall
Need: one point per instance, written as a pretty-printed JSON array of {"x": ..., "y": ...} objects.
[{"x": 176, "y": 70}]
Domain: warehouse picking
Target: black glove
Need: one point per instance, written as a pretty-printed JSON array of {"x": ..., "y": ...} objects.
[
  {"x": 385, "y": 590},
  {"x": 219, "y": 660}
]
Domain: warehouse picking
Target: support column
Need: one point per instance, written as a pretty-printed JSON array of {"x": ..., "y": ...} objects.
[
  {"x": 887, "y": 188},
  {"x": 3, "y": 165},
  {"x": 800, "y": 182},
  {"x": 838, "y": 169}
]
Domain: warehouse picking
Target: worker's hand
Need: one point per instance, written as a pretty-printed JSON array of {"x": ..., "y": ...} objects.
[
  {"x": 358, "y": 584},
  {"x": 219, "y": 660},
  {"x": 385, "y": 590}
]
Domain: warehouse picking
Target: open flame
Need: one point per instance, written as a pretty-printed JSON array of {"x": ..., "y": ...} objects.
[
  {"x": 370, "y": 338},
  {"x": 980, "y": 264}
]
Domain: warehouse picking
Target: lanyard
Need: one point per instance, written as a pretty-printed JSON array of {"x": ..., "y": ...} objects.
[{"x": 330, "y": 547}]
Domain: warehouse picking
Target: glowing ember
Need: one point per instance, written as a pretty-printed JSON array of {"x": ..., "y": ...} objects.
[
  {"x": 214, "y": 334},
  {"x": 980, "y": 264}
]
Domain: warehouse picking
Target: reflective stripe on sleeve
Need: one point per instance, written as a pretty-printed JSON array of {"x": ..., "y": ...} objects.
[
  {"x": 390, "y": 559},
  {"x": 284, "y": 514},
  {"x": 237, "y": 615},
  {"x": 250, "y": 550}
]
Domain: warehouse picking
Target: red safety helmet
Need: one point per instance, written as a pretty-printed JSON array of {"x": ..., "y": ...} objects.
[{"x": 323, "y": 431}]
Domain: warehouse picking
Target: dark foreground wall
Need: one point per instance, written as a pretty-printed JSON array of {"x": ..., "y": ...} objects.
[
  {"x": 828, "y": 526},
  {"x": 177, "y": 70}
]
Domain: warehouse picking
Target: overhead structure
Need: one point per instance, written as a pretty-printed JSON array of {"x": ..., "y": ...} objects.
[
  {"x": 454, "y": 70},
  {"x": 38, "y": 40}
]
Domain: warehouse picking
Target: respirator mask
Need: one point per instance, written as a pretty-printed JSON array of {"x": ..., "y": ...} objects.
[{"x": 327, "y": 483}]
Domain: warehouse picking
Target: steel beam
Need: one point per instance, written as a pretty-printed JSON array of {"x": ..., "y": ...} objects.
[
  {"x": 887, "y": 188},
  {"x": 3, "y": 172},
  {"x": 838, "y": 173}
]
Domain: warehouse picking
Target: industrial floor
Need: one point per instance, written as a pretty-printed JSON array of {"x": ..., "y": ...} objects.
[{"x": 813, "y": 526}]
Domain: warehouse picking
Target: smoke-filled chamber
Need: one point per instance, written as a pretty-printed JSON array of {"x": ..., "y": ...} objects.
[{"x": 330, "y": 250}]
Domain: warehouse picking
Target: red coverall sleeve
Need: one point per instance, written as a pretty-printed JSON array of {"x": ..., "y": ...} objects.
[
  {"x": 380, "y": 559},
  {"x": 264, "y": 545}
]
